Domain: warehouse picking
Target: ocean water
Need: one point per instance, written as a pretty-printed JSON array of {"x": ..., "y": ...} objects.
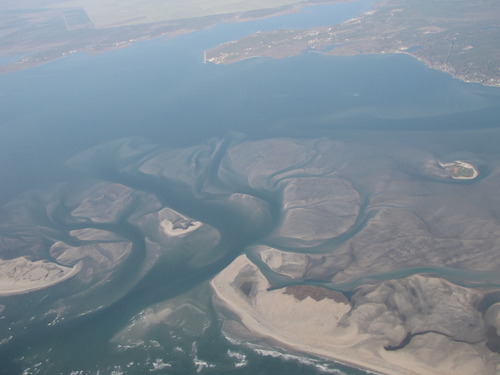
[{"x": 161, "y": 91}]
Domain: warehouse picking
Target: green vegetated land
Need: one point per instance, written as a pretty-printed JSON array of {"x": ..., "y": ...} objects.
[
  {"x": 464, "y": 172},
  {"x": 457, "y": 37}
]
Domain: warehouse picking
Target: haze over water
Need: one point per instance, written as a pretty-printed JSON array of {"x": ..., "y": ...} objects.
[{"x": 379, "y": 107}]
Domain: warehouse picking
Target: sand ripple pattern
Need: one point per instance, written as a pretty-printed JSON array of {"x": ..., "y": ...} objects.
[{"x": 407, "y": 255}]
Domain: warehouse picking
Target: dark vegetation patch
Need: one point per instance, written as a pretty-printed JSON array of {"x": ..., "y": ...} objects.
[{"x": 317, "y": 293}]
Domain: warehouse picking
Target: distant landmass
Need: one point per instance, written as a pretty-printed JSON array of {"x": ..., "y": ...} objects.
[
  {"x": 33, "y": 34},
  {"x": 456, "y": 37}
]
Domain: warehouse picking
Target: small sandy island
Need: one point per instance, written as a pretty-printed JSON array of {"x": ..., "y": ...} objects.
[
  {"x": 319, "y": 321},
  {"x": 460, "y": 170},
  {"x": 21, "y": 275},
  {"x": 179, "y": 227}
]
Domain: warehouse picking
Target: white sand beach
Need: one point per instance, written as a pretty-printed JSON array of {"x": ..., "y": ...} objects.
[
  {"x": 458, "y": 165},
  {"x": 328, "y": 328},
  {"x": 21, "y": 275}
]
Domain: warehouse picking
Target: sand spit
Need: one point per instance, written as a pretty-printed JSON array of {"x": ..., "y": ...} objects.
[
  {"x": 328, "y": 328},
  {"x": 21, "y": 275}
]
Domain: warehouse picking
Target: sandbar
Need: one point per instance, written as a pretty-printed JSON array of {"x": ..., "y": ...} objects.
[{"x": 21, "y": 275}]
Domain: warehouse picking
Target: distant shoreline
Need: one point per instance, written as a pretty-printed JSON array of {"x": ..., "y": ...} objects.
[{"x": 392, "y": 27}]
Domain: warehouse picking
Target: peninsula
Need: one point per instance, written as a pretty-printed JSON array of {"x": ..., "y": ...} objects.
[
  {"x": 456, "y": 37},
  {"x": 32, "y": 33}
]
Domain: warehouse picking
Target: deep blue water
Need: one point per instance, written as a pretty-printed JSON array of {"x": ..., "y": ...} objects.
[{"x": 161, "y": 90}]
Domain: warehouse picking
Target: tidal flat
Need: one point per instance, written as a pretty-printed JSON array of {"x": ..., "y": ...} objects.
[
  {"x": 413, "y": 251},
  {"x": 162, "y": 215}
]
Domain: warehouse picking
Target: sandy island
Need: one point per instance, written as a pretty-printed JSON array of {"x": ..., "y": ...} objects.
[
  {"x": 21, "y": 275},
  {"x": 179, "y": 227},
  {"x": 460, "y": 170},
  {"x": 323, "y": 326}
]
